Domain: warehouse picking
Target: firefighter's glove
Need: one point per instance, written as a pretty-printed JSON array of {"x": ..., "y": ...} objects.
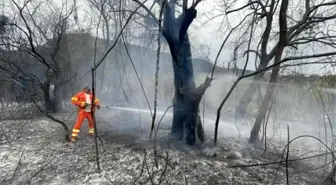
[{"x": 85, "y": 105}]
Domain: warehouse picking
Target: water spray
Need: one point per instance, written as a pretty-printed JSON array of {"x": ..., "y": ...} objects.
[{"x": 133, "y": 109}]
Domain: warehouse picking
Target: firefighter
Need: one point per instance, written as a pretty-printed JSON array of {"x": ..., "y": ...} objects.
[{"x": 83, "y": 101}]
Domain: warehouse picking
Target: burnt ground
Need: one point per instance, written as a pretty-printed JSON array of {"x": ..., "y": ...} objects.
[{"x": 34, "y": 152}]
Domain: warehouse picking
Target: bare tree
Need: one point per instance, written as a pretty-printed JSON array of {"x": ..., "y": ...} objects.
[
  {"x": 275, "y": 71},
  {"x": 304, "y": 29},
  {"x": 32, "y": 56},
  {"x": 41, "y": 38},
  {"x": 186, "y": 119}
]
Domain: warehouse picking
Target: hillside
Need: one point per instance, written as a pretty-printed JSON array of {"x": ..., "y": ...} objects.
[{"x": 144, "y": 59}]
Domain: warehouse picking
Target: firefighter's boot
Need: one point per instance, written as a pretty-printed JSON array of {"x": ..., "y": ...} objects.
[
  {"x": 73, "y": 139},
  {"x": 91, "y": 131}
]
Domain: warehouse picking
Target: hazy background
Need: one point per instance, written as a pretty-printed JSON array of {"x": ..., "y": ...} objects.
[{"x": 300, "y": 104}]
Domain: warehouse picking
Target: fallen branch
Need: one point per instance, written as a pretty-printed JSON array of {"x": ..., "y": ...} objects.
[
  {"x": 165, "y": 168},
  {"x": 7, "y": 139},
  {"x": 287, "y": 160},
  {"x": 39, "y": 171},
  {"x": 17, "y": 167},
  {"x": 142, "y": 167},
  {"x": 148, "y": 172},
  {"x": 65, "y": 126}
]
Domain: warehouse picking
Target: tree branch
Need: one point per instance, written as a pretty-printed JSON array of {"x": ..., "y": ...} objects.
[
  {"x": 195, "y": 3},
  {"x": 64, "y": 125},
  {"x": 142, "y": 5},
  {"x": 188, "y": 18},
  {"x": 30, "y": 34},
  {"x": 119, "y": 35},
  {"x": 222, "y": 46},
  {"x": 200, "y": 90},
  {"x": 157, "y": 67},
  {"x": 247, "y": 5}
]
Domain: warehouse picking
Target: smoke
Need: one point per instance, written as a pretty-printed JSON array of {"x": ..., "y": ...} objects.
[
  {"x": 301, "y": 106},
  {"x": 298, "y": 106}
]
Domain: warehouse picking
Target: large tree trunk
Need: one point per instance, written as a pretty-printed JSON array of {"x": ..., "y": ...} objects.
[
  {"x": 48, "y": 102},
  {"x": 265, "y": 105},
  {"x": 186, "y": 120},
  {"x": 264, "y": 61},
  {"x": 249, "y": 93},
  {"x": 251, "y": 90},
  {"x": 52, "y": 98},
  {"x": 265, "y": 58},
  {"x": 275, "y": 71},
  {"x": 58, "y": 98}
]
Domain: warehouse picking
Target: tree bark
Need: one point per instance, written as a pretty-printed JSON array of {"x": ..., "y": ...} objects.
[
  {"x": 48, "y": 102},
  {"x": 265, "y": 105},
  {"x": 247, "y": 97},
  {"x": 186, "y": 120},
  {"x": 275, "y": 71},
  {"x": 52, "y": 101},
  {"x": 249, "y": 93}
]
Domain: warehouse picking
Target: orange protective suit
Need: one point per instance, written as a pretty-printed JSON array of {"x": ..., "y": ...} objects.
[{"x": 84, "y": 112}]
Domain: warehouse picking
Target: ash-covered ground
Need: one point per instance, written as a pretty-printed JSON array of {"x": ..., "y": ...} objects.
[{"x": 33, "y": 151}]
